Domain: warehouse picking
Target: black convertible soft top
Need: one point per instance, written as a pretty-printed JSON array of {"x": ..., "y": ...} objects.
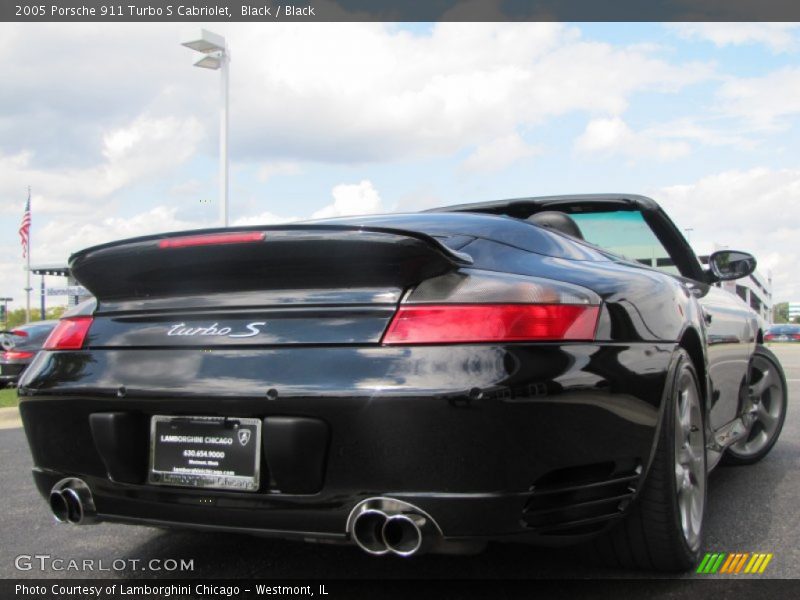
[{"x": 524, "y": 207}]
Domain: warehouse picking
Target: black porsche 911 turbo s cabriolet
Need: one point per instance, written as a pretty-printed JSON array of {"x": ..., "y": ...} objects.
[{"x": 557, "y": 370}]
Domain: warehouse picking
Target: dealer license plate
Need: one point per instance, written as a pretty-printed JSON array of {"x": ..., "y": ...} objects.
[{"x": 205, "y": 452}]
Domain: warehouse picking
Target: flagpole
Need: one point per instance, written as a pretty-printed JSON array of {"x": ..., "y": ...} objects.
[{"x": 28, "y": 288}]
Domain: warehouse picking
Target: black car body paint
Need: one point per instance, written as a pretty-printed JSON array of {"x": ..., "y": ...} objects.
[{"x": 537, "y": 441}]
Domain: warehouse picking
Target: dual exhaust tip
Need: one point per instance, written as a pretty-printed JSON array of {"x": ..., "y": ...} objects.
[
  {"x": 383, "y": 526},
  {"x": 71, "y": 501}
]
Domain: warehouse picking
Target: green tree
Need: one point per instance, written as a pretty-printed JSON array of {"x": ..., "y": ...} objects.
[
  {"x": 17, "y": 317},
  {"x": 780, "y": 312}
]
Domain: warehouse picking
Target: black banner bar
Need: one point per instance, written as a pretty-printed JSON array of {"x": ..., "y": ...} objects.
[
  {"x": 114, "y": 11},
  {"x": 441, "y": 589}
]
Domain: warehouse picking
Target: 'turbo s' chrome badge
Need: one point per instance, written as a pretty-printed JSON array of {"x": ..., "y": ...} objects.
[{"x": 182, "y": 329}]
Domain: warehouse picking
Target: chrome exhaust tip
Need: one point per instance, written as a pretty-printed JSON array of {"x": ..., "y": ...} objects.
[
  {"x": 403, "y": 533},
  {"x": 71, "y": 501},
  {"x": 368, "y": 531},
  {"x": 383, "y": 525},
  {"x": 58, "y": 506}
]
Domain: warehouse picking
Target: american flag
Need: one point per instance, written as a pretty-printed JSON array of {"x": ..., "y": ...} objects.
[{"x": 25, "y": 227}]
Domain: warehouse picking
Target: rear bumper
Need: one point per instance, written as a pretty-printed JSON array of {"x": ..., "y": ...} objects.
[{"x": 543, "y": 443}]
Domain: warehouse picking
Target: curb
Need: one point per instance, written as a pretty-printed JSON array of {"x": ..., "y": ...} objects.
[{"x": 9, "y": 418}]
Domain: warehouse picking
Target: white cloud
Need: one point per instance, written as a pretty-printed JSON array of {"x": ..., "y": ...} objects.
[
  {"x": 765, "y": 100},
  {"x": 499, "y": 154},
  {"x": 747, "y": 210},
  {"x": 334, "y": 92},
  {"x": 612, "y": 136},
  {"x": 700, "y": 131},
  {"x": 133, "y": 154},
  {"x": 779, "y": 37},
  {"x": 60, "y": 238},
  {"x": 273, "y": 169},
  {"x": 351, "y": 199},
  {"x": 264, "y": 218},
  {"x": 370, "y": 92}
]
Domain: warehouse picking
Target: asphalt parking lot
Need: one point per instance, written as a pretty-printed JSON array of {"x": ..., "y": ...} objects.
[{"x": 750, "y": 509}]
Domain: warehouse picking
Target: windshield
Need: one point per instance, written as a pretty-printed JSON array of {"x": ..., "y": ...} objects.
[{"x": 627, "y": 234}]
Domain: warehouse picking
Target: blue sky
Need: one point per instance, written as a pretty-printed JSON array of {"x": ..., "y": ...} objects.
[{"x": 117, "y": 133}]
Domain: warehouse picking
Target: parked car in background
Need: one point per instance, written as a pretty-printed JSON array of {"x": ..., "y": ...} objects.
[
  {"x": 783, "y": 333},
  {"x": 20, "y": 345}
]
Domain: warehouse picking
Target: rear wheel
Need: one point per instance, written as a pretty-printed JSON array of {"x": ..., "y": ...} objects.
[
  {"x": 664, "y": 529},
  {"x": 764, "y": 412}
]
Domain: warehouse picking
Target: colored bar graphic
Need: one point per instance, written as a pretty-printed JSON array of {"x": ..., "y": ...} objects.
[
  {"x": 757, "y": 566},
  {"x": 704, "y": 563},
  {"x": 718, "y": 563},
  {"x": 751, "y": 564},
  {"x": 767, "y": 558},
  {"x": 735, "y": 562},
  {"x": 732, "y": 558},
  {"x": 741, "y": 562}
]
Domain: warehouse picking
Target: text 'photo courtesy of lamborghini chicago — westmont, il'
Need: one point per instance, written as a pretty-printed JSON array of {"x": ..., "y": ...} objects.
[{"x": 556, "y": 370}]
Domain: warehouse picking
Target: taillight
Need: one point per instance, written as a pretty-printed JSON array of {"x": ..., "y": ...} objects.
[
  {"x": 492, "y": 323},
  {"x": 69, "y": 334},
  {"x": 211, "y": 239},
  {"x": 796, "y": 336},
  {"x": 768, "y": 337},
  {"x": 19, "y": 332},
  {"x": 477, "y": 306},
  {"x": 16, "y": 355}
]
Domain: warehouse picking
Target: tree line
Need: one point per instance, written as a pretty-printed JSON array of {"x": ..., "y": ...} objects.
[{"x": 17, "y": 317}]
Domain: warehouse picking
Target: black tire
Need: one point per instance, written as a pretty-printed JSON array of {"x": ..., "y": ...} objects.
[
  {"x": 651, "y": 536},
  {"x": 775, "y": 398}
]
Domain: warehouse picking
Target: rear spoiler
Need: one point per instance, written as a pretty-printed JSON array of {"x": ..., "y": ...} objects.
[{"x": 297, "y": 256}]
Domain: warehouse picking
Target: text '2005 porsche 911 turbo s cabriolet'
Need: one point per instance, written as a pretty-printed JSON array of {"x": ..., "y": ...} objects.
[{"x": 557, "y": 370}]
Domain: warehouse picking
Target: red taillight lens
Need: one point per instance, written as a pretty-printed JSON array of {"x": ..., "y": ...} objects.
[
  {"x": 796, "y": 336},
  {"x": 19, "y": 332},
  {"x": 768, "y": 337},
  {"x": 69, "y": 334},
  {"x": 491, "y": 323},
  {"x": 211, "y": 239},
  {"x": 16, "y": 355}
]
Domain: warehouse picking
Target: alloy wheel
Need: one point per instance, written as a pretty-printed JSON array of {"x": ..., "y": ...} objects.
[
  {"x": 690, "y": 465},
  {"x": 766, "y": 406}
]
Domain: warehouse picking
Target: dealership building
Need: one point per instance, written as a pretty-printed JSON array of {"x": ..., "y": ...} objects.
[{"x": 794, "y": 310}]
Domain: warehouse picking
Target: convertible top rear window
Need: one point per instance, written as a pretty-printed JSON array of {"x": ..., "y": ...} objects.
[{"x": 627, "y": 234}]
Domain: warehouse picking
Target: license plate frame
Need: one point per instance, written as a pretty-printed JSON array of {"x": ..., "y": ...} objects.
[{"x": 169, "y": 464}]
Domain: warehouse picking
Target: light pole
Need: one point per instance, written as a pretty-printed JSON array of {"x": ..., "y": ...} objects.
[
  {"x": 217, "y": 57},
  {"x": 5, "y": 302}
]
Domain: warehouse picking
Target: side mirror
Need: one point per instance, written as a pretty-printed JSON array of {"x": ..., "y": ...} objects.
[{"x": 731, "y": 264}]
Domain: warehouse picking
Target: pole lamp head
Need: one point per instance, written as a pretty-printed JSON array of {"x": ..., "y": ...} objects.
[
  {"x": 213, "y": 46},
  {"x": 207, "y": 43},
  {"x": 212, "y": 61}
]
